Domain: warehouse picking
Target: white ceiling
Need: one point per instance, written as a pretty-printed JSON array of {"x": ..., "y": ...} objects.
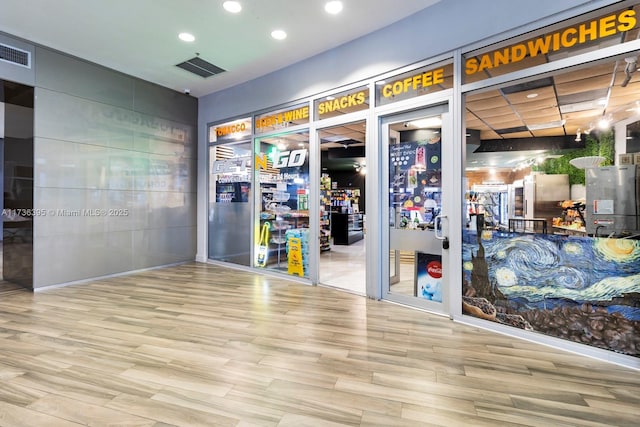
[{"x": 139, "y": 37}]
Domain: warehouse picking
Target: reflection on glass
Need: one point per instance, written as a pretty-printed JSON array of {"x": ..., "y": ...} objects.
[
  {"x": 551, "y": 193},
  {"x": 415, "y": 180},
  {"x": 230, "y": 168},
  {"x": 415, "y": 200},
  {"x": 18, "y": 208},
  {"x": 282, "y": 203}
]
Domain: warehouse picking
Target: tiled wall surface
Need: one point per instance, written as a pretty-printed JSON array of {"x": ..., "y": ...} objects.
[{"x": 114, "y": 172}]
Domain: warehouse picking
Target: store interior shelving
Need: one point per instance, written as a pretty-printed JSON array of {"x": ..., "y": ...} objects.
[{"x": 325, "y": 212}]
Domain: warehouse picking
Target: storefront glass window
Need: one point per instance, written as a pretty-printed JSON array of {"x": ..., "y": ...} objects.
[
  {"x": 230, "y": 168},
  {"x": 551, "y": 44},
  {"x": 552, "y": 218},
  {"x": 423, "y": 81},
  {"x": 282, "y": 203}
]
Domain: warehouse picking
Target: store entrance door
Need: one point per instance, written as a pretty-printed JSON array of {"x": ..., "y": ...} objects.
[
  {"x": 415, "y": 147},
  {"x": 343, "y": 167}
]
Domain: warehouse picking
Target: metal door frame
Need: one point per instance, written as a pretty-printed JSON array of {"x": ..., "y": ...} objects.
[{"x": 442, "y": 107}]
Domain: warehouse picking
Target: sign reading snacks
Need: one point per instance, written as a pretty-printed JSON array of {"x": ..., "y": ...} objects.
[
  {"x": 414, "y": 83},
  {"x": 571, "y": 37},
  {"x": 282, "y": 119},
  {"x": 343, "y": 103}
]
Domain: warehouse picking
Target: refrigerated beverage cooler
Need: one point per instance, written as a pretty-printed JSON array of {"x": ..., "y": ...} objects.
[{"x": 613, "y": 201}]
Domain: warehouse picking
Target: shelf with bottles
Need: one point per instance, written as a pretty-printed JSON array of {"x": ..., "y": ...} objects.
[
  {"x": 345, "y": 200},
  {"x": 325, "y": 212}
]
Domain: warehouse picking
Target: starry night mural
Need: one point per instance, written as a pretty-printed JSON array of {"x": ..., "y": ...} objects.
[{"x": 582, "y": 289}]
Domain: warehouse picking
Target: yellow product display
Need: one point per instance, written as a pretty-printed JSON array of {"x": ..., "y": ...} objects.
[
  {"x": 295, "y": 257},
  {"x": 263, "y": 245}
]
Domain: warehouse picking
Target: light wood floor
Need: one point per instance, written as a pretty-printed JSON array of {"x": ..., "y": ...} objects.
[{"x": 201, "y": 345}]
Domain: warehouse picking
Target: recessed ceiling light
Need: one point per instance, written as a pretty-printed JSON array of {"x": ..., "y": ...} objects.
[
  {"x": 232, "y": 6},
  {"x": 333, "y": 7},
  {"x": 278, "y": 34},
  {"x": 532, "y": 95},
  {"x": 186, "y": 37},
  {"x": 549, "y": 125}
]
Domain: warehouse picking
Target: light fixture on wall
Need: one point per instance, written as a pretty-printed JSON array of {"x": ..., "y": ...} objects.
[{"x": 578, "y": 135}]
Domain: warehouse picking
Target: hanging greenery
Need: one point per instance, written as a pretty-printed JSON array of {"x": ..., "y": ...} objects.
[{"x": 602, "y": 144}]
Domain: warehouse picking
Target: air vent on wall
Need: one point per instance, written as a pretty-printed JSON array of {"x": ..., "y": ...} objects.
[
  {"x": 200, "y": 67},
  {"x": 15, "y": 56}
]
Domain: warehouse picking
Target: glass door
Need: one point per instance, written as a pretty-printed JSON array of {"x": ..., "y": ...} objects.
[
  {"x": 416, "y": 240},
  {"x": 281, "y": 222}
]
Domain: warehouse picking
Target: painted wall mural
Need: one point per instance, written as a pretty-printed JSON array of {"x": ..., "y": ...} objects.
[{"x": 581, "y": 289}]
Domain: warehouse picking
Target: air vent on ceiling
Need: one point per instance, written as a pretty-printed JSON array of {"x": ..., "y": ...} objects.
[
  {"x": 200, "y": 67},
  {"x": 15, "y": 56}
]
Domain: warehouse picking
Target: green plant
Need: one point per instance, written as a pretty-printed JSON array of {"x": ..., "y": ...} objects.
[{"x": 602, "y": 144}]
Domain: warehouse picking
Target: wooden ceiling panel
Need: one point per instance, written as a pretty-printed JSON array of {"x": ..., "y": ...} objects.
[
  {"x": 482, "y": 95},
  {"x": 489, "y": 134},
  {"x": 625, "y": 95},
  {"x": 487, "y": 103},
  {"x": 584, "y": 85},
  {"x": 493, "y": 112},
  {"x": 475, "y": 124},
  {"x": 541, "y": 115},
  {"x": 504, "y": 122},
  {"x": 572, "y": 129},
  {"x": 356, "y": 127},
  {"x": 543, "y": 94},
  {"x": 585, "y": 73},
  {"x": 582, "y": 115},
  {"x": 620, "y": 116},
  {"x": 621, "y": 75},
  {"x": 536, "y": 104}
]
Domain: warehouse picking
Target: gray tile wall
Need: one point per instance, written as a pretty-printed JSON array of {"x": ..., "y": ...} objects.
[{"x": 115, "y": 167}]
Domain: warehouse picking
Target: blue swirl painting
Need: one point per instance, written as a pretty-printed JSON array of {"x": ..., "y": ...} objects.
[{"x": 544, "y": 276}]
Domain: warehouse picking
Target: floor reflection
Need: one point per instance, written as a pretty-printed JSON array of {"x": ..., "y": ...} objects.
[{"x": 344, "y": 267}]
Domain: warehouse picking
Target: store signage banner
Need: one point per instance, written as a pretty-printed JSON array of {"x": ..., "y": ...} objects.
[{"x": 588, "y": 32}]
